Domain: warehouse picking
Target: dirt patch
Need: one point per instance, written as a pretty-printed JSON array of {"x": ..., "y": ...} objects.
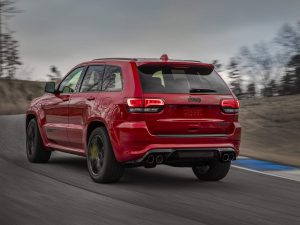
[
  {"x": 271, "y": 129},
  {"x": 17, "y": 94}
]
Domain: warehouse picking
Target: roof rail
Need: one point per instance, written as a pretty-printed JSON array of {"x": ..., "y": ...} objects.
[
  {"x": 120, "y": 58},
  {"x": 192, "y": 60},
  {"x": 180, "y": 60},
  {"x": 138, "y": 59}
]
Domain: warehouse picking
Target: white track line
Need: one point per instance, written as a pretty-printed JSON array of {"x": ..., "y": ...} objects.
[{"x": 264, "y": 173}]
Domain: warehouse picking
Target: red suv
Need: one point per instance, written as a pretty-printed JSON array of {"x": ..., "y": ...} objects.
[{"x": 123, "y": 112}]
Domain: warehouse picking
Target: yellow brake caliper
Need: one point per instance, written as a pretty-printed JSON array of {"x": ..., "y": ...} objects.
[{"x": 94, "y": 152}]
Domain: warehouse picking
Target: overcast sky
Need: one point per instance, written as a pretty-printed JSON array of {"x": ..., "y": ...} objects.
[{"x": 66, "y": 32}]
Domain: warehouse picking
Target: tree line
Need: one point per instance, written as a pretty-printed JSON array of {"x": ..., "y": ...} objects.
[{"x": 267, "y": 68}]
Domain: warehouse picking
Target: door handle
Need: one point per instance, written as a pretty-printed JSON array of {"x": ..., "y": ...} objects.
[
  {"x": 65, "y": 99},
  {"x": 90, "y": 98}
]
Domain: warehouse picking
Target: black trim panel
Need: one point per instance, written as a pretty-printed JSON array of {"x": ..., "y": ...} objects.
[{"x": 190, "y": 135}]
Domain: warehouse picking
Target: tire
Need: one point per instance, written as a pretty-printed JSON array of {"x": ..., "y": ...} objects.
[
  {"x": 213, "y": 172},
  {"x": 34, "y": 144},
  {"x": 101, "y": 162}
]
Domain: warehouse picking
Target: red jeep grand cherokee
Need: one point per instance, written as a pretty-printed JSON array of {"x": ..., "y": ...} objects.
[{"x": 121, "y": 112}]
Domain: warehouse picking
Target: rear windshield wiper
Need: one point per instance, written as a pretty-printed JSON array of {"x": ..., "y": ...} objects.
[{"x": 201, "y": 90}]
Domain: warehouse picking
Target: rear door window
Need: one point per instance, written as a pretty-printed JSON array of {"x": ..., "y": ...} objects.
[
  {"x": 168, "y": 79},
  {"x": 92, "y": 79},
  {"x": 112, "y": 80}
]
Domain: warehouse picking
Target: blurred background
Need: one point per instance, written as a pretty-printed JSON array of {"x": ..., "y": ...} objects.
[{"x": 254, "y": 45}]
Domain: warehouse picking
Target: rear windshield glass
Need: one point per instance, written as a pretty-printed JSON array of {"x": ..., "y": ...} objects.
[{"x": 167, "y": 79}]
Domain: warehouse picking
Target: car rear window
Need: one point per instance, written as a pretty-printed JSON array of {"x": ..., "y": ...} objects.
[{"x": 168, "y": 79}]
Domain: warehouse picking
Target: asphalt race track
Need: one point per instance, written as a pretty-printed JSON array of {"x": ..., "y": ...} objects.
[{"x": 61, "y": 192}]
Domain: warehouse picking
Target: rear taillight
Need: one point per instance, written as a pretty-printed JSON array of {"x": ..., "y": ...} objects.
[
  {"x": 153, "y": 102},
  {"x": 230, "y": 106},
  {"x": 135, "y": 102},
  {"x": 149, "y": 105}
]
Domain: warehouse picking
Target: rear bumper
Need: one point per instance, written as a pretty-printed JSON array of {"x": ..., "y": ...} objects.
[
  {"x": 133, "y": 141},
  {"x": 183, "y": 157}
]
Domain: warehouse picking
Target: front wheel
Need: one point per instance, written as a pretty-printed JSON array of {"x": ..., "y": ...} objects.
[
  {"x": 212, "y": 172},
  {"x": 102, "y": 164},
  {"x": 34, "y": 144}
]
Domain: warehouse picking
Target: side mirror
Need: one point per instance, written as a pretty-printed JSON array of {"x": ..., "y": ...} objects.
[{"x": 50, "y": 87}]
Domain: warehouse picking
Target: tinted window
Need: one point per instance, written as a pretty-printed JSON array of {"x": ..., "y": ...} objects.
[
  {"x": 92, "y": 79},
  {"x": 165, "y": 79},
  {"x": 112, "y": 80},
  {"x": 68, "y": 85}
]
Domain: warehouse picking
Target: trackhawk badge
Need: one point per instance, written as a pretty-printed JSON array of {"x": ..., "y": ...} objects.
[{"x": 191, "y": 99}]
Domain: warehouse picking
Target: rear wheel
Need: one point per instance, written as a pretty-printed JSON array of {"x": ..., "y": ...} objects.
[
  {"x": 212, "y": 172},
  {"x": 34, "y": 144},
  {"x": 102, "y": 164}
]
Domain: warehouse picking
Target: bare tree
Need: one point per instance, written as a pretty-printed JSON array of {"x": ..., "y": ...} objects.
[
  {"x": 270, "y": 89},
  {"x": 55, "y": 74},
  {"x": 288, "y": 38},
  {"x": 251, "y": 90},
  {"x": 217, "y": 64},
  {"x": 274, "y": 66},
  {"x": 258, "y": 63},
  {"x": 11, "y": 57},
  {"x": 234, "y": 74},
  {"x": 264, "y": 62},
  {"x": 291, "y": 80},
  {"x": 9, "y": 54}
]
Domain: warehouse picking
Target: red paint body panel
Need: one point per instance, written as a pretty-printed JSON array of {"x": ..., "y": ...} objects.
[{"x": 64, "y": 119}]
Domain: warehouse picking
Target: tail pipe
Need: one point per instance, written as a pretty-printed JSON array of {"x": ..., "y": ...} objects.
[
  {"x": 227, "y": 157},
  {"x": 150, "y": 161},
  {"x": 159, "y": 159}
]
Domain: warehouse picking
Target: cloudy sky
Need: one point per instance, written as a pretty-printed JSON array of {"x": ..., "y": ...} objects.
[{"x": 66, "y": 32}]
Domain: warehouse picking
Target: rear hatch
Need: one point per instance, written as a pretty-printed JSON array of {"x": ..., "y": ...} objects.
[{"x": 194, "y": 100}]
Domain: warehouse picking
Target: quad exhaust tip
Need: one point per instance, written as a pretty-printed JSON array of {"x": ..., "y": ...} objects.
[
  {"x": 150, "y": 160},
  {"x": 154, "y": 159},
  {"x": 227, "y": 157},
  {"x": 159, "y": 159}
]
